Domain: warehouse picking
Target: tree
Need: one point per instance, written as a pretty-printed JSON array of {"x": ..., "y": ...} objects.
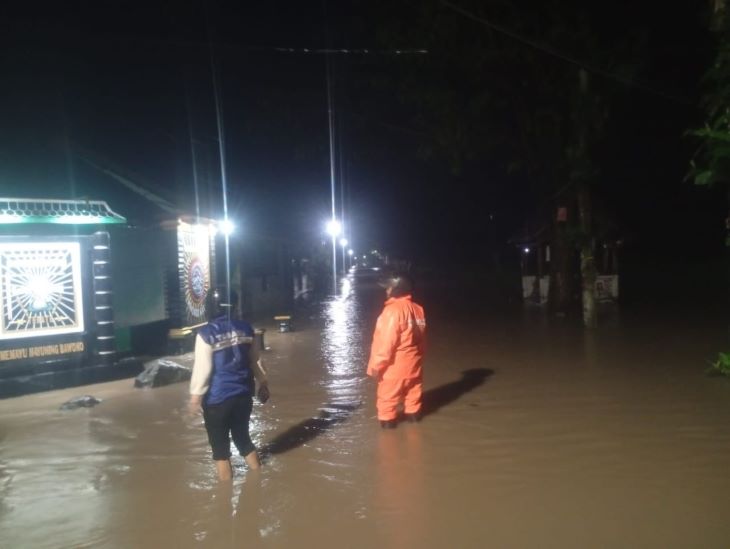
[
  {"x": 711, "y": 164},
  {"x": 491, "y": 87}
]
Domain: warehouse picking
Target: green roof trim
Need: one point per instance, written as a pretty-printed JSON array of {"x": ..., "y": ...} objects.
[{"x": 65, "y": 212}]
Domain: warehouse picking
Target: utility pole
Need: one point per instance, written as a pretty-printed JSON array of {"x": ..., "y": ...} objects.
[{"x": 588, "y": 271}]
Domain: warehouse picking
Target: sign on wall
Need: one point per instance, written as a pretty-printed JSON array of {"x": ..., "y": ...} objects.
[
  {"x": 535, "y": 292},
  {"x": 194, "y": 264},
  {"x": 40, "y": 289},
  {"x": 607, "y": 287}
]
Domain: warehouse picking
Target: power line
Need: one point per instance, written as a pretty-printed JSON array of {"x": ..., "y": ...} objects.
[
  {"x": 225, "y": 45},
  {"x": 564, "y": 57},
  {"x": 348, "y": 51}
]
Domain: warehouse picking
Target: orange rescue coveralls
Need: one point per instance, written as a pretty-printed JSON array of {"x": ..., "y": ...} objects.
[{"x": 399, "y": 343}]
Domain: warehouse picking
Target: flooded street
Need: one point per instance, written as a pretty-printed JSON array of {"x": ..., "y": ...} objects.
[{"x": 534, "y": 436}]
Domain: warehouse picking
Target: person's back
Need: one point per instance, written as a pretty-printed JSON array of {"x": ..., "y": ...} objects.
[
  {"x": 396, "y": 355},
  {"x": 230, "y": 340},
  {"x": 226, "y": 361},
  {"x": 408, "y": 319}
]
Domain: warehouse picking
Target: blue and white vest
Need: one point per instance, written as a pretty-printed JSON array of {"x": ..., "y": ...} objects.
[{"x": 231, "y": 375}]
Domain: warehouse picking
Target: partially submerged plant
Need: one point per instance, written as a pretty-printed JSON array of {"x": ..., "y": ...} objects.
[{"x": 721, "y": 366}]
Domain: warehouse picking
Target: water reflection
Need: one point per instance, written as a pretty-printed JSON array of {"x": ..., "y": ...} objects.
[
  {"x": 234, "y": 515},
  {"x": 341, "y": 352},
  {"x": 549, "y": 443},
  {"x": 342, "y": 348},
  {"x": 401, "y": 482},
  {"x": 80, "y": 477}
]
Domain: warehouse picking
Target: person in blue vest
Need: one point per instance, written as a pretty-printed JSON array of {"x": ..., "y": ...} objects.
[{"x": 226, "y": 368}]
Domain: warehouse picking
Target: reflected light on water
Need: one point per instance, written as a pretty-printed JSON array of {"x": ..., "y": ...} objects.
[{"x": 342, "y": 342}]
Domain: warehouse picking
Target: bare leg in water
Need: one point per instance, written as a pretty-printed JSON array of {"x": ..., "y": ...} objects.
[{"x": 225, "y": 471}]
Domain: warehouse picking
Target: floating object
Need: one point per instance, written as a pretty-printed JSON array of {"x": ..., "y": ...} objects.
[
  {"x": 86, "y": 401},
  {"x": 284, "y": 322},
  {"x": 162, "y": 372}
]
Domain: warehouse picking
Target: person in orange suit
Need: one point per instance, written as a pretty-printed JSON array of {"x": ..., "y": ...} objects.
[{"x": 396, "y": 356}]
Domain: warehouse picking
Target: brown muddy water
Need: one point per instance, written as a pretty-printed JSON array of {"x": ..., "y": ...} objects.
[{"x": 535, "y": 436}]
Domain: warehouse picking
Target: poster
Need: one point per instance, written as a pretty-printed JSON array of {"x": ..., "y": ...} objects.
[
  {"x": 40, "y": 289},
  {"x": 607, "y": 288},
  {"x": 534, "y": 292},
  {"x": 194, "y": 264}
]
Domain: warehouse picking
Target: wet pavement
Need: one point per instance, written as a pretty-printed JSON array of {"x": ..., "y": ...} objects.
[{"x": 534, "y": 436}]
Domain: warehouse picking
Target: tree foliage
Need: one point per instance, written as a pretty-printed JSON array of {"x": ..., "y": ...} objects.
[{"x": 711, "y": 164}]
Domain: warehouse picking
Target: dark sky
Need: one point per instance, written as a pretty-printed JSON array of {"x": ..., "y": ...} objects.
[{"x": 132, "y": 83}]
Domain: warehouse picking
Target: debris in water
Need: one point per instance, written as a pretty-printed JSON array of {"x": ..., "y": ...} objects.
[
  {"x": 86, "y": 401},
  {"x": 162, "y": 372}
]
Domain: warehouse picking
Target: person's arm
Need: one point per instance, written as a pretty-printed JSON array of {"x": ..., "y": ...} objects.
[
  {"x": 257, "y": 364},
  {"x": 259, "y": 372},
  {"x": 385, "y": 341},
  {"x": 202, "y": 368}
]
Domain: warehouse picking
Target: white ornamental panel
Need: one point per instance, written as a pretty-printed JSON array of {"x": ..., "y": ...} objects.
[{"x": 40, "y": 289}]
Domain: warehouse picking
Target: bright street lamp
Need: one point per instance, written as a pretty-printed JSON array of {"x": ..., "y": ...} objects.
[
  {"x": 350, "y": 252},
  {"x": 226, "y": 226},
  {"x": 333, "y": 228},
  {"x": 343, "y": 242}
]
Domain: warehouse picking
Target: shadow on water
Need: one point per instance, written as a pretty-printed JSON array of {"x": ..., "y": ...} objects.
[
  {"x": 438, "y": 397},
  {"x": 309, "y": 429}
]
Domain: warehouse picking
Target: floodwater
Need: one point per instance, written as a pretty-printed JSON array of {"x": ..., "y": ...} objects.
[{"x": 535, "y": 436}]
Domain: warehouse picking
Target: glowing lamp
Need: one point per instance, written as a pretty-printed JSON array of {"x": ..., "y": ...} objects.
[
  {"x": 226, "y": 226},
  {"x": 333, "y": 228}
]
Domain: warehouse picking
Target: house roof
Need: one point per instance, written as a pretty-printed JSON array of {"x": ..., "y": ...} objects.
[{"x": 48, "y": 210}]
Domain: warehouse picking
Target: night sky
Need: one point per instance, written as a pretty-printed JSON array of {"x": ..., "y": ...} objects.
[{"x": 132, "y": 83}]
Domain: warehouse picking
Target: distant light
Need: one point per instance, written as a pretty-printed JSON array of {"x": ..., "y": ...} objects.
[
  {"x": 333, "y": 228},
  {"x": 376, "y": 268},
  {"x": 343, "y": 242},
  {"x": 226, "y": 226},
  {"x": 350, "y": 251},
  {"x": 527, "y": 250}
]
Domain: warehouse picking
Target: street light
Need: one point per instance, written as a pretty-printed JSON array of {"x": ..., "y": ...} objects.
[
  {"x": 226, "y": 226},
  {"x": 333, "y": 228},
  {"x": 343, "y": 242}
]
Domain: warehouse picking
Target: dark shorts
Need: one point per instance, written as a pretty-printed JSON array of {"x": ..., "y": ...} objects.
[{"x": 230, "y": 416}]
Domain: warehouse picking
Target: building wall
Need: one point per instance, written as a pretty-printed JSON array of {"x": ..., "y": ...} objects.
[
  {"x": 264, "y": 296},
  {"x": 139, "y": 263},
  {"x": 263, "y": 276}
]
